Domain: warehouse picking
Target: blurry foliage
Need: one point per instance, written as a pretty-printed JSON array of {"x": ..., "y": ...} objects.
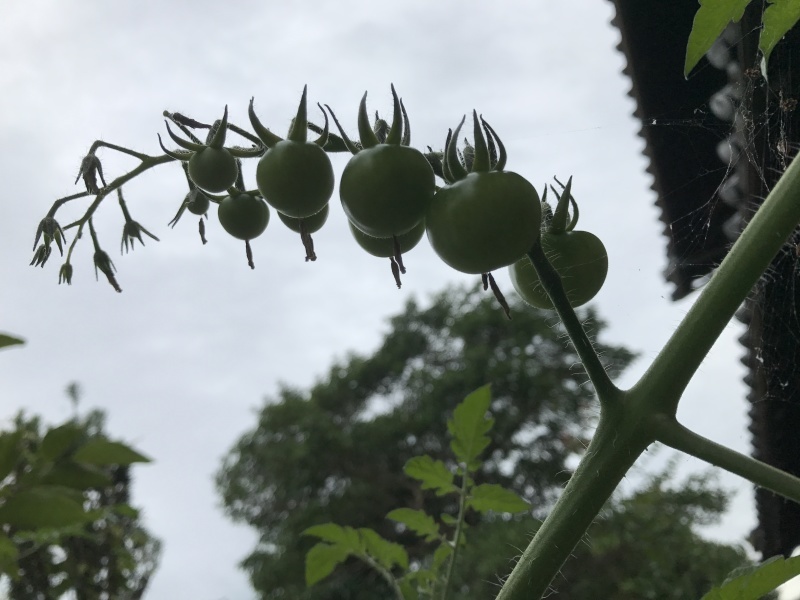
[{"x": 66, "y": 525}]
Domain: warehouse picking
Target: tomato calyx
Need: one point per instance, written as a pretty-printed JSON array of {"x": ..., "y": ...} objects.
[
  {"x": 298, "y": 130},
  {"x": 557, "y": 223}
]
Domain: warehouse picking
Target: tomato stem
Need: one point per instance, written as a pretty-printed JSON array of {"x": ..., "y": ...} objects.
[
  {"x": 668, "y": 431},
  {"x": 551, "y": 282}
]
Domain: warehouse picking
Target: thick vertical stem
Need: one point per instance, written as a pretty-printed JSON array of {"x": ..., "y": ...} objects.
[{"x": 614, "y": 448}]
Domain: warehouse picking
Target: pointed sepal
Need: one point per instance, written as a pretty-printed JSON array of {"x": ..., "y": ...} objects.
[{"x": 264, "y": 134}]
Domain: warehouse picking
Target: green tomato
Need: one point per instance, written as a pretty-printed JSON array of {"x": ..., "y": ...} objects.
[
  {"x": 384, "y": 247},
  {"x": 311, "y": 224},
  {"x": 484, "y": 221},
  {"x": 213, "y": 169},
  {"x": 386, "y": 189},
  {"x": 197, "y": 202},
  {"x": 580, "y": 259},
  {"x": 295, "y": 178},
  {"x": 243, "y": 216}
]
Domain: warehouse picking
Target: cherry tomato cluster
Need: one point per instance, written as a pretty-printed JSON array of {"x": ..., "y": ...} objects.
[{"x": 480, "y": 219}]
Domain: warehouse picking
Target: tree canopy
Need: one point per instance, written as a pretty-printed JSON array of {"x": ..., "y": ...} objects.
[{"x": 335, "y": 452}]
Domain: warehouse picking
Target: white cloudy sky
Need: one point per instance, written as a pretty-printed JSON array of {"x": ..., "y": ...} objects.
[{"x": 183, "y": 357}]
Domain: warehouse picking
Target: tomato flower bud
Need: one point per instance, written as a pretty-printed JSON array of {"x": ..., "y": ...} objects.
[
  {"x": 65, "y": 274},
  {"x": 103, "y": 263},
  {"x": 40, "y": 256},
  {"x": 132, "y": 230},
  {"x": 51, "y": 230},
  {"x": 90, "y": 168}
]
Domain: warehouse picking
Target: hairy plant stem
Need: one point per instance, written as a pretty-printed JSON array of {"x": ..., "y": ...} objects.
[
  {"x": 631, "y": 420},
  {"x": 668, "y": 431},
  {"x": 462, "y": 508},
  {"x": 551, "y": 282},
  {"x": 616, "y": 445}
]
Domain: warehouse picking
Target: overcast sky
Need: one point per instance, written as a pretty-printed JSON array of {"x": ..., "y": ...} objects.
[{"x": 184, "y": 356}]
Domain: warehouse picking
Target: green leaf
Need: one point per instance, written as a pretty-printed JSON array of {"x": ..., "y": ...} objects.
[
  {"x": 126, "y": 510},
  {"x": 433, "y": 474},
  {"x": 322, "y": 559},
  {"x": 408, "y": 589},
  {"x": 469, "y": 426},
  {"x": 59, "y": 440},
  {"x": 100, "y": 451},
  {"x": 8, "y": 556},
  {"x": 9, "y": 340},
  {"x": 388, "y": 554},
  {"x": 711, "y": 18},
  {"x": 448, "y": 519},
  {"x": 346, "y": 537},
  {"x": 42, "y": 506},
  {"x": 77, "y": 476},
  {"x": 441, "y": 554},
  {"x": 779, "y": 17},
  {"x": 490, "y": 496},
  {"x": 417, "y": 521},
  {"x": 750, "y": 583},
  {"x": 8, "y": 452}
]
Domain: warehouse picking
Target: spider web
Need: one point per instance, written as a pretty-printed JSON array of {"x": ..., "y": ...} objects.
[{"x": 755, "y": 123}]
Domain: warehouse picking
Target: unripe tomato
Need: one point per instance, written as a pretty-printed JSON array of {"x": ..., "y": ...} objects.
[
  {"x": 386, "y": 189},
  {"x": 243, "y": 216},
  {"x": 387, "y": 185},
  {"x": 485, "y": 218},
  {"x": 197, "y": 202},
  {"x": 384, "y": 247},
  {"x": 310, "y": 224},
  {"x": 485, "y": 221},
  {"x": 295, "y": 178},
  {"x": 580, "y": 259},
  {"x": 213, "y": 169}
]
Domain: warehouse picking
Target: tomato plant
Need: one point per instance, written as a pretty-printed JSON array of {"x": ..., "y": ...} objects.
[
  {"x": 485, "y": 218},
  {"x": 579, "y": 257},
  {"x": 386, "y": 187},
  {"x": 482, "y": 219},
  {"x": 295, "y": 176}
]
